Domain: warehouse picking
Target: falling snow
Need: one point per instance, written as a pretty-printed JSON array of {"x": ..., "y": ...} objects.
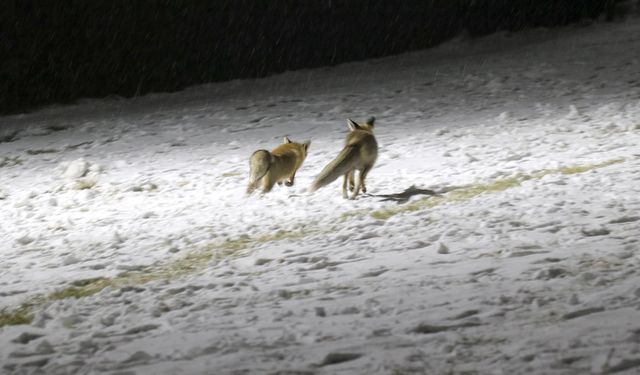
[{"x": 498, "y": 235}]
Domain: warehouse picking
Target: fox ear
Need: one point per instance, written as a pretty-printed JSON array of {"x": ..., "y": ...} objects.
[
  {"x": 287, "y": 140},
  {"x": 352, "y": 125},
  {"x": 306, "y": 145},
  {"x": 370, "y": 121}
]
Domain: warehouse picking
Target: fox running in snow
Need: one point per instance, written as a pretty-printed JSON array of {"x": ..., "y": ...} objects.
[
  {"x": 359, "y": 153},
  {"x": 276, "y": 166}
]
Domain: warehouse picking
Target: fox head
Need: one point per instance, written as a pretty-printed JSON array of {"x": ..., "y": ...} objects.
[
  {"x": 304, "y": 146},
  {"x": 367, "y": 126}
]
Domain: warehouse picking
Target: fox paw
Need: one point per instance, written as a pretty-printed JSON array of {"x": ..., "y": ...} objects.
[{"x": 288, "y": 183}]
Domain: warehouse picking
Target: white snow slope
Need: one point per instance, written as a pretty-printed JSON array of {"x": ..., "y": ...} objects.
[{"x": 126, "y": 235}]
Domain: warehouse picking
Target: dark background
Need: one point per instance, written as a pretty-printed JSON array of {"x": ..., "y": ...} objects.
[{"x": 60, "y": 50}]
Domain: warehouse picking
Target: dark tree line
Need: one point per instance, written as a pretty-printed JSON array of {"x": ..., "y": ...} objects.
[{"x": 57, "y": 51}]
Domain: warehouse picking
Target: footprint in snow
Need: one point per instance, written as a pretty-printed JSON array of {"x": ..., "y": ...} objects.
[
  {"x": 141, "y": 329},
  {"x": 26, "y": 337},
  {"x": 138, "y": 358},
  {"x": 592, "y": 232},
  {"x": 625, "y": 219},
  {"x": 427, "y": 329},
  {"x": 374, "y": 273},
  {"x": 338, "y": 357},
  {"x": 9, "y": 136}
]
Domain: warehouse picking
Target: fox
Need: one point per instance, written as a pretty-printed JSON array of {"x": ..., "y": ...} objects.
[
  {"x": 281, "y": 164},
  {"x": 359, "y": 154}
]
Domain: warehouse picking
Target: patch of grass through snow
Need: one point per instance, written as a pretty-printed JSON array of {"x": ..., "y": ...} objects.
[
  {"x": 232, "y": 174},
  {"x": 473, "y": 191},
  {"x": 21, "y": 315},
  {"x": 196, "y": 261},
  {"x": 190, "y": 263},
  {"x": 349, "y": 214},
  {"x": 81, "y": 289}
]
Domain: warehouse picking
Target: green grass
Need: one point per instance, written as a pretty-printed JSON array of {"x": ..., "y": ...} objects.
[{"x": 198, "y": 260}]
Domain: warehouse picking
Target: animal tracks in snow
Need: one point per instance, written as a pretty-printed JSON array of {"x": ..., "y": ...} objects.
[{"x": 514, "y": 210}]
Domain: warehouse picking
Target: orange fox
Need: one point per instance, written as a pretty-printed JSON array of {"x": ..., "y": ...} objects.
[
  {"x": 281, "y": 164},
  {"x": 359, "y": 153}
]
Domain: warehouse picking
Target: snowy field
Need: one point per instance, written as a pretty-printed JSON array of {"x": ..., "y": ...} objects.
[{"x": 129, "y": 247}]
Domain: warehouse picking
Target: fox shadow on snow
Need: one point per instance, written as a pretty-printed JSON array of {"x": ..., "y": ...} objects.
[
  {"x": 401, "y": 197},
  {"x": 404, "y": 196}
]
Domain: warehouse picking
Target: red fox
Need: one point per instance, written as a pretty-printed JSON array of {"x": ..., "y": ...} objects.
[
  {"x": 273, "y": 167},
  {"x": 359, "y": 153}
]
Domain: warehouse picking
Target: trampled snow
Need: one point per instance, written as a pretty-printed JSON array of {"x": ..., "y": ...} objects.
[{"x": 127, "y": 236}]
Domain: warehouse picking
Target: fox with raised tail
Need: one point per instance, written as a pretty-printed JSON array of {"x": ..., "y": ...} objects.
[
  {"x": 281, "y": 164},
  {"x": 359, "y": 154}
]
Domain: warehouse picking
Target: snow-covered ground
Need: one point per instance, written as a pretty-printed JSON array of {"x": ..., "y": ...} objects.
[{"x": 126, "y": 235}]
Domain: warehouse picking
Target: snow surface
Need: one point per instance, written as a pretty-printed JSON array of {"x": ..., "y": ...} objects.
[{"x": 536, "y": 276}]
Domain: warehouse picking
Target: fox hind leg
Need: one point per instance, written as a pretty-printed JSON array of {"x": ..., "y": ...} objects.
[
  {"x": 360, "y": 182},
  {"x": 356, "y": 188},
  {"x": 267, "y": 184},
  {"x": 363, "y": 176},
  {"x": 352, "y": 176},
  {"x": 253, "y": 184},
  {"x": 251, "y": 187},
  {"x": 345, "y": 182},
  {"x": 290, "y": 180}
]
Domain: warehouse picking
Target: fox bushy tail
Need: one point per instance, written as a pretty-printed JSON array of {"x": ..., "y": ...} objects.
[
  {"x": 338, "y": 167},
  {"x": 259, "y": 165}
]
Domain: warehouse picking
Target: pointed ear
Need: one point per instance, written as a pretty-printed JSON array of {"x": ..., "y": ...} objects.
[
  {"x": 306, "y": 145},
  {"x": 352, "y": 125},
  {"x": 370, "y": 121},
  {"x": 286, "y": 140}
]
